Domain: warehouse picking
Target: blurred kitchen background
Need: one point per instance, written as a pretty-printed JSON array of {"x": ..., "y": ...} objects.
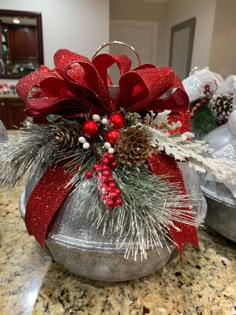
[{"x": 181, "y": 33}]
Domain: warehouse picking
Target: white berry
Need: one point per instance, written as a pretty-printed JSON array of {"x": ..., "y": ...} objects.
[
  {"x": 82, "y": 139},
  {"x": 107, "y": 145},
  {"x": 96, "y": 117},
  {"x": 105, "y": 121},
  {"x": 111, "y": 150},
  {"x": 86, "y": 145}
]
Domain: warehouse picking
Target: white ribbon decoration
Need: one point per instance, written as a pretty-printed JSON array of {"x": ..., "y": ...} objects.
[{"x": 198, "y": 79}]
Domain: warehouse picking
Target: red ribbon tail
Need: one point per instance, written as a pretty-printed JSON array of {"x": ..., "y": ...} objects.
[
  {"x": 161, "y": 164},
  {"x": 45, "y": 200}
]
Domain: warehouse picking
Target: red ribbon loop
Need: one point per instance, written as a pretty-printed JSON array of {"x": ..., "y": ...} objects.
[{"x": 78, "y": 83}]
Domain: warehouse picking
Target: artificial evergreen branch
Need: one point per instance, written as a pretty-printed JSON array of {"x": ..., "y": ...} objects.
[
  {"x": 203, "y": 121},
  {"x": 150, "y": 205},
  {"x": 29, "y": 147}
]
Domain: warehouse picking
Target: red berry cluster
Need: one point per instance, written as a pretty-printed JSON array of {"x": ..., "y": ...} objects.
[
  {"x": 202, "y": 101},
  {"x": 207, "y": 91},
  {"x": 109, "y": 191}
]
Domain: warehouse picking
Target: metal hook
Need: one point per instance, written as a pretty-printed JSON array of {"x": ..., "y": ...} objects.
[{"x": 117, "y": 43}]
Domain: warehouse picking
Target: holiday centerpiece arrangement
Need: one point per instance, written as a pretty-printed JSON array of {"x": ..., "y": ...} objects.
[{"x": 110, "y": 194}]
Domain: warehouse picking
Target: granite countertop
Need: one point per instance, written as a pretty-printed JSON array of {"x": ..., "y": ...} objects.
[{"x": 203, "y": 283}]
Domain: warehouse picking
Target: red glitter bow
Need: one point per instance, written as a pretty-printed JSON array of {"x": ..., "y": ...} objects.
[{"x": 78, "y": 86}]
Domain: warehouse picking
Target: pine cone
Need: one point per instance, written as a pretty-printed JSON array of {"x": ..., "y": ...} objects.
[
  {"x": 65, "y": 136},
  {"x": 221, "y": 107},
  {"x": 132, "y": 147}
]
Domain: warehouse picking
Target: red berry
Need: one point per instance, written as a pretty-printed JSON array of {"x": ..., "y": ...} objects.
[
  {"x": 104, "y": 179},
  {"x": 99, "y": 168},
  {"x": 105, "y": 197},
  {"x": 103, "y": 186},
  {"x": 117, "y": 120},
  {"x": 117, "y": 191},
  {"x": 110, "y": 179},
  {"x": 106, "y": 154},
  {"x": 113, "y": 195},
  {"x": 107, "y": 173},
  {"x": 88, "y": 174},
  {"x": 105, "y": 161},
  {"x": 112, "y": 185},
  {"x": 118, "y": 202},
  {"x": 111, "y": 157},
  {"x": 111, "y": 136},
  {"x": 108, "y": 189},
  {"x": 114, "y": 164},
  {"x": 95, "y": 167},
  {"x": 105, "y": 167},
  {"x": 90, "y": 129},
  {"x": 109, "y": 203}
]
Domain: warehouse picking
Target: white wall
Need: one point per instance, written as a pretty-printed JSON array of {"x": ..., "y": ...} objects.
[
  {"x": 223, "y": 48},
  {"x": 137, "y": 10},
  {"x": 204, "y": 11},
  {"x": 78, "y": 25}
]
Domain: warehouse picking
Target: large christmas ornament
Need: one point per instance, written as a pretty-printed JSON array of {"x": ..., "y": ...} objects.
[
  {"x": 116, "y": 207},
  {"x": 90, "y": 129},
  {"x": 85, "y": 250}
]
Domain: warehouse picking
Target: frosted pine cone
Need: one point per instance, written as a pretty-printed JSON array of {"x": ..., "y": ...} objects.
[
  {"x": 132, "y": 147},
  {"x": 221, "y": 107},
  {"x": 65, "y": 136}
]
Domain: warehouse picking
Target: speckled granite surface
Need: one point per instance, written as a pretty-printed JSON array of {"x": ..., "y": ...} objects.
[{"x": 204, "y": 283}]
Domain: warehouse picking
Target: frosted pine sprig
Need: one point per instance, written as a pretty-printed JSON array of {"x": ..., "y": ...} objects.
[
  {"x": 30, "y": 147},
  {"x": 184, "y": 148}
]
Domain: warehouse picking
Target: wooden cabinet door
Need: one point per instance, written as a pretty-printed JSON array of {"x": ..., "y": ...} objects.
[
  {"x": 16, "y": 113},
  {"x": 22, "y": 43}
]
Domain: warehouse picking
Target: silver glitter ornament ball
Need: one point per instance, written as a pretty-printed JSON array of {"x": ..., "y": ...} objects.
[
  {"x": 83, "y": 249},
  {"x": 221, "y": 213}
]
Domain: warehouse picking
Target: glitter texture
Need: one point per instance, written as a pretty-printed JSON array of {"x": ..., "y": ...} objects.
[
  {"x": 46, "y": 198},
  {"x": 161, "y": 164},
  {"x": 78, "y": 85}
]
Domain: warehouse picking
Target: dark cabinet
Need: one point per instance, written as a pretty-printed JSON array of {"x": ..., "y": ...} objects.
[
  {"x": 22, "y": 43},
  {"x": 12, "y": 112}
]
